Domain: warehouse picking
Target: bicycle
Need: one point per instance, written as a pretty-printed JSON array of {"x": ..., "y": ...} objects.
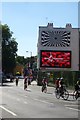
[
  {"x": 76, "y": 94},
  {"x": 64, "y": 93},
  {"x": 44, "y": 88},
  {"x": 25, "y": 83}
]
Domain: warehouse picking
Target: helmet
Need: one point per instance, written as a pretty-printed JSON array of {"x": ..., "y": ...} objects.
[
  {"x": 58, "y": 78},
  {"x": 44, "y": 77},
  {"x": 61, "y": 78}
]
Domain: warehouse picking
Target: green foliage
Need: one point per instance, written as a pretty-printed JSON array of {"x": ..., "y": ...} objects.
[
  {"x": 20, "y": 60},
  {"x": 40, "y": 76},
  {"x": 70, "y": 77},
  {"x": 9, "y": 49}
]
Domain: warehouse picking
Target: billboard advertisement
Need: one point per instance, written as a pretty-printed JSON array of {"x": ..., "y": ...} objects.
[{"x": 55, "y": 59}]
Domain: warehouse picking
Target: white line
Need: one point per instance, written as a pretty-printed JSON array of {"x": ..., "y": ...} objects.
[
  {"x": 8, "y": 110},
  {"x": 72, "y": 109}
]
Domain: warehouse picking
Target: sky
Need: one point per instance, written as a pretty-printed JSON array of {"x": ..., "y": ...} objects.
[{"x": 24, "y": 19}]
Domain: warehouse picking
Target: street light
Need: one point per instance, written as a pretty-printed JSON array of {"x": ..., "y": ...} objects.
[
  {"x": 30, "y": 53},
  {"x": 30, "y": 57},
  {"x": 29, "y": 66}
]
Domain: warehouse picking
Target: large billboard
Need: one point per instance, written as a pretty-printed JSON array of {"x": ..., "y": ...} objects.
[
  {"x": 58, "y": 48},
  {"x": 55, "y": 59}
]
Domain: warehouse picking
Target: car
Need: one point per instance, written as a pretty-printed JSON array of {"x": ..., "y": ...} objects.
[
  {"x": 10, "y": 76},
  {"x": 2, "y": 78},
  {"x": 21, "y": 77}
]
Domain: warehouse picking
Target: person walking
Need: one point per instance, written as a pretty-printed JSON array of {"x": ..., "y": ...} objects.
[
  {"x": 17, "y": 78},
  {"x": 26, "y": 74}
]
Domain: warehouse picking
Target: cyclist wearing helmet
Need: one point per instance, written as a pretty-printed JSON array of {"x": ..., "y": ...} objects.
[
  {"x": 57, "y": 83},
  {"x": 77, "y": 85},
  {"x": 61, "y": 85},
  {"x": 44, "y": 84}
]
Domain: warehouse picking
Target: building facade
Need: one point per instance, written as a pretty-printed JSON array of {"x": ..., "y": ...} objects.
[{"x": 58, "y": 48}]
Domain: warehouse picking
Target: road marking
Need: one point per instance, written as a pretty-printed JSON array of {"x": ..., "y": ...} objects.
[
  {"x": 8, "y": 110},
  {"x": 73, "y": 108}
]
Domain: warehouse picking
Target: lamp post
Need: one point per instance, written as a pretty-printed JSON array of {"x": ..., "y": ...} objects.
[
  {"x": 30, "y": 53},
  {"x": 30, "y": 57},
  {"x": 30, "y": 67}
]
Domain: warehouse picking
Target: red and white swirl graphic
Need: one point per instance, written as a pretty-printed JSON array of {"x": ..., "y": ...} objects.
[{"x": 55, "y": 59}]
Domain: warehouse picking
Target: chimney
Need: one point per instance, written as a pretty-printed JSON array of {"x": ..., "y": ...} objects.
[
  {"x": 50, "y": 25},
  {"x": 68, "y": 25}
]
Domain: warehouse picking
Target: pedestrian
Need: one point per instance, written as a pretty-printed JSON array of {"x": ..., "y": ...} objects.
[
  {"x": 26, "y": 74},
  {"x": 17, "y": 77}
]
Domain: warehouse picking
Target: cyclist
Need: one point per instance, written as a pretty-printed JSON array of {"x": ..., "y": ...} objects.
[
  {"x": 26, "y": 74},
  {"x": 25, "y": 82},
  {"x": 44, "y": 84},
  {"x": 77, "y": 85},
  {"x": 62, "y": 92},
  {"x": 17, "y": 77},
  {"x": 57, "y": 83},
  {"x": 61, "y": 85},
  {"x": 77, "y": 89}
]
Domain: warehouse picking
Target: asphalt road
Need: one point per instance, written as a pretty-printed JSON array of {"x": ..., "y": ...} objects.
[{"x": 15, "y": 102}]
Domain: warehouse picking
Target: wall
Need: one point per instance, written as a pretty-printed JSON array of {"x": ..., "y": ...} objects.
[{"x": 73, "y": 46}]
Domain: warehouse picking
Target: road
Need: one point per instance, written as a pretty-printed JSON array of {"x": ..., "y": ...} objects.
[{"x": 15, "y": 102}]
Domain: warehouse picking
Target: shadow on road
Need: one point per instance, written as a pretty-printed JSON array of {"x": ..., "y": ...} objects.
[{"x": 49, "y": 93}]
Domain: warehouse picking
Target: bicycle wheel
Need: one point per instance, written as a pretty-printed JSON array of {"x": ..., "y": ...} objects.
[
  {"x": 65, "y": 95},
  {"x": 45, "y": 90},
  {"x": 74, "y": 94},
  {"x": 77, "y": 95},
  {"x": 57, "y": 94},
  {"x": 42, "y": 89}
]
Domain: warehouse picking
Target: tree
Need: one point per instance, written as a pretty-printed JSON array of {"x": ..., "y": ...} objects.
[
  {"x": 20, "y": 60},
  {"x": 9, "y": 49}
]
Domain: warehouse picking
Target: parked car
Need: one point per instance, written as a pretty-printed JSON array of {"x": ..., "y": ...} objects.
[
  {"x": 21, "y": 77},
  {"x": 2, "y": 78},
  {"x": 10, "y": 76}
]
